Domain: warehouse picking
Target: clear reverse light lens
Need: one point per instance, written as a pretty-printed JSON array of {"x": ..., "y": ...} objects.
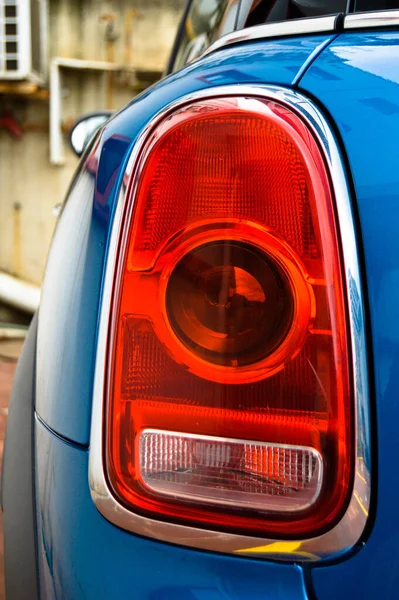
[{"x": 228, "y": 471}]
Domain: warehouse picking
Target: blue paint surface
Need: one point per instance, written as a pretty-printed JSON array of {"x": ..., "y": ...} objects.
[
  {"x": 83, "y": 556},
  {"x": 356, "y": 79},
  {"x": 72, "y": 285}
]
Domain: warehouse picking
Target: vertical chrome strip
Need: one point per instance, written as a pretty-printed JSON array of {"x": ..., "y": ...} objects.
[{"x": 349, "y": 530}]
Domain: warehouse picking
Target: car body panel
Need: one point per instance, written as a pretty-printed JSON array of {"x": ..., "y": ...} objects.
[
  {"x": 72, "y": 284},
  {"x": 349, "y": 529},
  {"x": 83, "y": 556},
  {"x": 356, "y": 80}
]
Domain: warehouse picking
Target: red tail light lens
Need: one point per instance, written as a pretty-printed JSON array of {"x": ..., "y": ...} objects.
[
  {"x": 230, "y": 400},
  {"x": 229, "y": 304},
  {"x": 233, "y": 304}
]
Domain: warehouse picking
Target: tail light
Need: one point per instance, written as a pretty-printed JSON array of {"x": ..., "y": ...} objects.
[{"x": 229, "y": 396}]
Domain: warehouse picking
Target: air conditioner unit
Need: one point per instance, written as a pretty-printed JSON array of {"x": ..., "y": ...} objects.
[{"x": 23, "y": 25}]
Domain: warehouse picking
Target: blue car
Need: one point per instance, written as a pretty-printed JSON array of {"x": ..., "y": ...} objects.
[{"x": 206, "y": 406}]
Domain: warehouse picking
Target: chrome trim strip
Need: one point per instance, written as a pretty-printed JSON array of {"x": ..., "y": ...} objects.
[
  {"x": 383, "y": 18},
  {"x": 294, "y": 27},
  {"x": 348, "y": 531},
  {"x": 313, "y": 25}
]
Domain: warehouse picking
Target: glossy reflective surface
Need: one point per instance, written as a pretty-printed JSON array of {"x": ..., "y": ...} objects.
[
  {"x": 84, "y": 130},
  {"x": 84, "y": 557},
  {"x": 276, "y": 30},
  {"x": 68, "y": 311},
  {"x": 261, "y": 24},
  {"x": 205, "y": 21},
  {"x": 361, "y": 94},
  {"x": 349, "y": 527},
  {"x": 73, "y": 279},
  {"x": 380, "y": 19},
  {"x": 219, "y": 298},
  {"x": 357, "y": 80}
]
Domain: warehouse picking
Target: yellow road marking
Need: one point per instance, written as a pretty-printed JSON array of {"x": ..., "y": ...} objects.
[
  {"x": 361, "y": 503},
  {"x": 361, "y": 477},
  {"x": 277, "y": 548}
]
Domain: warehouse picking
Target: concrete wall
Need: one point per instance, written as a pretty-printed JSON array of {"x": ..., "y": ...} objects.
[{"x": 135, "y": 32}]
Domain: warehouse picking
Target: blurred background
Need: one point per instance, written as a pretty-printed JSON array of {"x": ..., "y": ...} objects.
[{"x": 59, "y": 59}]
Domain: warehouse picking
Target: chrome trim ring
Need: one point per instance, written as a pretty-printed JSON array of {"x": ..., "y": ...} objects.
[
  {"x": 349, "y": 530},
  {"x": 294, "y": 27}
]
